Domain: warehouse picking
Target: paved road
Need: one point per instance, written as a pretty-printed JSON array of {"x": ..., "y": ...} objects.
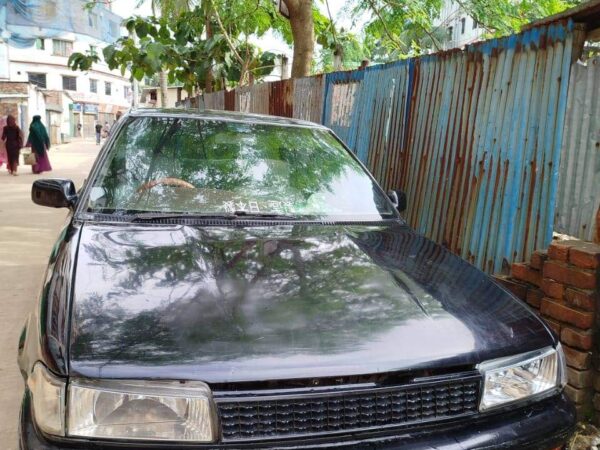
[{"x": 27, "y": 233}]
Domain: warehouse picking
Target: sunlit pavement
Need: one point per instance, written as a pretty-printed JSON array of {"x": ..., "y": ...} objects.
[{"x": 27, "y": 233}]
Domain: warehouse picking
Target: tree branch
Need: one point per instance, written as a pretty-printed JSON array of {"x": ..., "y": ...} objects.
[
  {"x": 332, "y": 23},
  {"x": 385, "y": 28},
  {"x": 227, "y": 37}
]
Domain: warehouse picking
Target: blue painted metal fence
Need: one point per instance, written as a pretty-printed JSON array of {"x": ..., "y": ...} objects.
[{"x": 472, "y": 136}]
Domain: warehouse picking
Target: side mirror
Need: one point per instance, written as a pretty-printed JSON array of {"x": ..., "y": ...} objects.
[
  {"x": 398, "y": 199},
  {"x": 54, "y": 192}
]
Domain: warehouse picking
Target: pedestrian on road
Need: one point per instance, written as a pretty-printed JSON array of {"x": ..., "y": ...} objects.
[
  {"x": 40, "y": 144},
  {"x": 13, "y": 138},
  {"x": 79, "y": 129},
  {"x": 105, "y": 130},
  {"x": 3, "y": 157},
  {"x": 98, "y": 131}
]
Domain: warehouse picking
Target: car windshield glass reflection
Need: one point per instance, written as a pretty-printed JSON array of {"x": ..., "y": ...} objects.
[{"x": 181, "y": 165}]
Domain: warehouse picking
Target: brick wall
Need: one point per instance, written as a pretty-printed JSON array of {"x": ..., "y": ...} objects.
[
  {"x": 563, "y": 286},
  {"x": 12, "y": 87},
  {"x": 9, "y": 107}
]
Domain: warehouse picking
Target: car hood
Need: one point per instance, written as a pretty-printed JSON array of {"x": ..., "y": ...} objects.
[{"x": 227, "y": 304}]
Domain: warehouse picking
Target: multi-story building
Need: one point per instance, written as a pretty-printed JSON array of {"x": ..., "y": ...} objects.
[
  {"x": 458, "y": 28},
  {"x": 36, "y": 39}
]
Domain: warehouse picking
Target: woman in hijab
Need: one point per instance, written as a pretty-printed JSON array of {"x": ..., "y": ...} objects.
[
  {"x": 40, "y": 143},
  {"x": 13, "y": 138}
]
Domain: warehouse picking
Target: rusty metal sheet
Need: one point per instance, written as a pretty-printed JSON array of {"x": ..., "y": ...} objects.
[
  {"x": 308, "y": 98},
  {"x": 484, "y": 130},
  {"x": 367, "y": 109},
  {"x": 578, "y": 197},
  {"x": 229, "y": 100},
  {"x": 253, "y": 99},
  {"x": 281, "y": 98},
  {"x": 214, "y": 100}
]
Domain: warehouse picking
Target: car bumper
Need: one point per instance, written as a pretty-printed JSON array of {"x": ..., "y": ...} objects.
[{"x": 543, "y": 425}]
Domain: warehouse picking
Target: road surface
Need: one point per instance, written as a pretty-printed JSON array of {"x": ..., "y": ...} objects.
[{"x": 27, "y": 233}]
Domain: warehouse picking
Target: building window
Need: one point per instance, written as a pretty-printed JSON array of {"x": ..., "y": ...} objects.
[
  {"x": 475, "y": 24},
  {"x": 450, "y": 33},
  {"x": 69, "y": 83},
  {"x": 62, "y": 48},
  {"x": 94, "y": 86},
  {"x": 39, "y": 79},
  {"x": 463, "y": 23},
  {"x": 92, "y": 20},
  {"x": 40, "y": 44},
  {"x": 153, "y": 95},
  {"x": 126, "y": 91},
  {"x": 113, "y": 29},
  {"x": 107, "y": 88},
  {"x": 48, "y": 9}
]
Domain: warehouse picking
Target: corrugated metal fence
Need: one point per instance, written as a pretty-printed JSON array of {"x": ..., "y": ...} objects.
[
  {"x": 472, "y": 136},
  {"x": 578, "y": 206}
]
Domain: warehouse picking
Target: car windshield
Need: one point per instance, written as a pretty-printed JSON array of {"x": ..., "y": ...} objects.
[{"x": 198, "y": 166}]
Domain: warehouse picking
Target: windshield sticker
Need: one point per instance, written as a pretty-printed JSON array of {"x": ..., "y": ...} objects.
[
  {"x": 253, "y": 206},
  {"x": 229, "y": 206}
]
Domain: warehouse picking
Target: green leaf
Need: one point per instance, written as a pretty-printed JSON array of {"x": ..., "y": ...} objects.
[{"x": 138, "y": 73}]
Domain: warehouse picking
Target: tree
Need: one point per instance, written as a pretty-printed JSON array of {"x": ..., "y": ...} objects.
[
  {"x": 404, "y": 28},
  {"x": 398, "y": 28},
  {"x": 340, "y": 51},
  {"x": 181, "y": 47},
  {"x": 502, "y": 17},
  {"x": 302, "y": 24}
]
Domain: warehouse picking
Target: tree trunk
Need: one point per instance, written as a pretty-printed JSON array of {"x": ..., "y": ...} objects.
[
  {"x": 338, "y": 55},
  {"x": 163, "y": 88},
  {"x": 301, "y": 21},
  {"x": 208, "y": 82}
]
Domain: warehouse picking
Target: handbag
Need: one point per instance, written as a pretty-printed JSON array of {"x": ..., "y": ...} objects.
[{"x": 30, "y": 159}]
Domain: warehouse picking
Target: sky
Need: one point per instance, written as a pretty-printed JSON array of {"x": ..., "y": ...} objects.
[{"x": 269, "y": 42}]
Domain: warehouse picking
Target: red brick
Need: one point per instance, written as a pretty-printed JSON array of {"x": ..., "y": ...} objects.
[
  {"x": 572, "y": 276},
  {"x": 597, "y": 381},
  {"x": 522, "y": 271},
  {"x": 534, "y": 298},
  {"x": 559, "y": 251},
  {"x": 577, "y": 359},
  {"x": 537, "y": 259},
  {"x": 517, "y": 288},
  {"x": 584, "y": 299},
  {"x": 585, "y": 256},
  {"x": 578, "y": 396},
  {"x": 553, "y": 288},
  {"x": 583, "y": 340},
  {"x": 553, "y": 324},
  {"x": 597, "y": 401},
  {"x": 580, "y": 378},
  {"x": 564, "y": 313}
]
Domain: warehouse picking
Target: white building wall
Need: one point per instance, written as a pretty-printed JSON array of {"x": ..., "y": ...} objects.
[
  {"x": 23, "y": 61},
  {"x": 451, "y": 20}
]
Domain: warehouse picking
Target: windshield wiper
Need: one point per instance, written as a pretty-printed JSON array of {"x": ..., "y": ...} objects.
[
  {"x": 259, "y": 215},
  {"x": 152, "y": 217},
  {"x": 155, "y": 217}
]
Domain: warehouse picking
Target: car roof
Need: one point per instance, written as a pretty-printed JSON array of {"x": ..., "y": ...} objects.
[{"x": 222, "y": 115}]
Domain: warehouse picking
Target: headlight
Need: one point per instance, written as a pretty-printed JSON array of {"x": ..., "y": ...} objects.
[
  {"x": 48, "y": 398},
  {"x": 161, "y": 411},
  {"x": 507, "y": 380}
]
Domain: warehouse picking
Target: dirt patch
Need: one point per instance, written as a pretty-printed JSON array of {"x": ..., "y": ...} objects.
[{"x": 586, "y": 437}]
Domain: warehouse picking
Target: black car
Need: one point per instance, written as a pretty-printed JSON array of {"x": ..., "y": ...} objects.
[{"x": 240, "y": 281}]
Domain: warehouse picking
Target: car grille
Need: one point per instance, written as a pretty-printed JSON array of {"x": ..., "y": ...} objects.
[{"x": 281, "y": 415}]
